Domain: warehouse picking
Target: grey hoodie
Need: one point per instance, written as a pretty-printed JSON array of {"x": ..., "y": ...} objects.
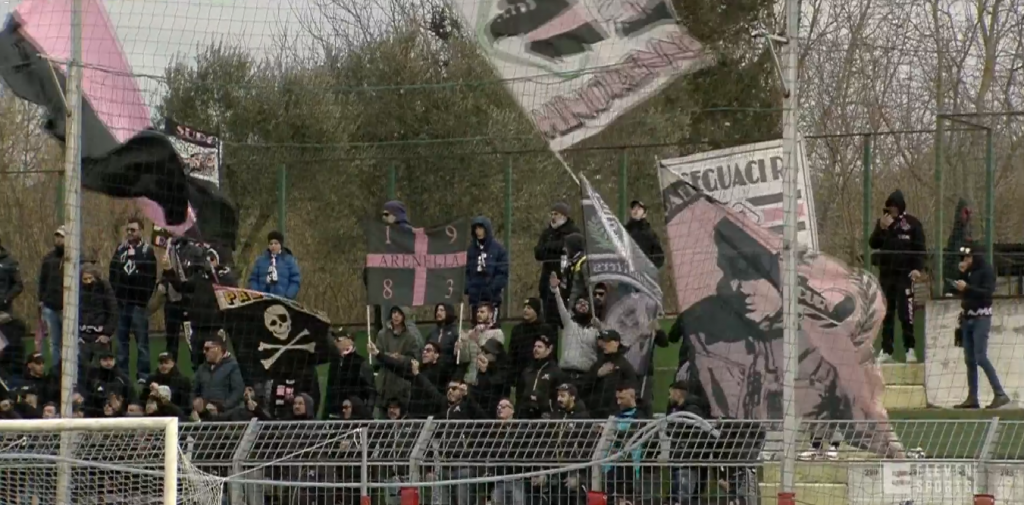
[
  {"x": 405, "y": 345},
  {"x": 579, "y": 343}
]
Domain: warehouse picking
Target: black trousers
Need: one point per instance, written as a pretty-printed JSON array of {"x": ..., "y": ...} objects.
[
  {"x": 899, "y": 303},
  {"x": 174, "y": 320}
]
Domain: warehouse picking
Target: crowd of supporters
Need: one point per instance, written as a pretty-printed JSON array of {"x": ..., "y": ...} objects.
[{"x": 557, "y": 362}]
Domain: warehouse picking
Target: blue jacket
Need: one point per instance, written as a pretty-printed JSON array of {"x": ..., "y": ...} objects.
[
  {"x": 486, "y": 266},
  {"x": 288, "y": 278}
]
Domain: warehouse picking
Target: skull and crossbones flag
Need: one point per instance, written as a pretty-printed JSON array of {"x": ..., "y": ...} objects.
[{"x": 273, "y": 337}]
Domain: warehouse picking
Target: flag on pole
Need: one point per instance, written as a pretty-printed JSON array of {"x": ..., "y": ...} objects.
[
  {"x": 576, "y": 66},
  {"x": 122, "y": 156},
  {"x": 613, "y": 258},
  {"x": 411, "y": 267},
  {"x": 728, "y": 280}
]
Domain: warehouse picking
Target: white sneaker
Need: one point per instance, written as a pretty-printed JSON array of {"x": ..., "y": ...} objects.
[
  {"x": 832, "y": 454},
  {"x": 884, "y": 358},
  {"x": 911, "y": 356}
]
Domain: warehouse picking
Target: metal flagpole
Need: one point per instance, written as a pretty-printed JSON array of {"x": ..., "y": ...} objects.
[
  {"x": 72, "y": 244},
  {"x": 790, "y": 288}
]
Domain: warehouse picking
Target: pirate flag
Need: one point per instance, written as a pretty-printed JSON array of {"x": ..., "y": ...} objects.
[
  {"x": 729, "y": 287},
  {"x": 411, "y": 267},
  {"x": 275, "y": 339}
]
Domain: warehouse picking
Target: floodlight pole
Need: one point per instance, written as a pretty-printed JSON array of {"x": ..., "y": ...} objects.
[
  {"x": 72, "y": 245},
  {"x": 790, "y": 286}
]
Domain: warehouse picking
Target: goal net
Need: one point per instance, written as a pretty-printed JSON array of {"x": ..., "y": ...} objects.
[{"x": 99, "y": 461}]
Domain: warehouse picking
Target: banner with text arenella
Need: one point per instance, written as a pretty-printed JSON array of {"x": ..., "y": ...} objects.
[
  {"x": 574, "y": 67},
  {"x": 749, "y": 179}
]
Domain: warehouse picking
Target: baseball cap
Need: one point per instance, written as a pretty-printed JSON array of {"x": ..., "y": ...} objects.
[
  {"x": 545, "y": 339},
  {"x": 60, "y": 232},
  {"x": 165, "y": 356},
  {"x": 610, "y": 335},
  {"x": 36, "y": 358},
  {"x": 636, "y": 203}
]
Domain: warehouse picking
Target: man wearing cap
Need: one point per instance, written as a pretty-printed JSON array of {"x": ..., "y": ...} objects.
[
  {"x": 643, "y": 235},
  {"x": 167, "y": 374},
  {"x": 45, "y": 386},
  {"x": 568, "y": 403},
  {"x": 524, "y": 334},
  {"x": 51, "y": 292},
  {"x": 10, "y": 280},
  {"x": 611, "y": 371},
  {"x": 539, "y": 380},
  {"x": 348, "y": 375},
  {"x": 276, "y": 272},
  {"x": 549, "y": 251},
  {"x": 103, "y": 380}
]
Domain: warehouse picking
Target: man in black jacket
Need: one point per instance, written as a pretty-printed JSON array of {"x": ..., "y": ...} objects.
[
  {"x": 549, "y": 251},
  {"x": 899, "y": 242},
  {"x": 524, "y": 334},
  {"x": 133, "y": 277},
  {"x": 97, "y": 317},
  {"x": 348, "y": 375},
  {"x": 611, "y": 372},
  {"x": 643, "y": 235},
  {"x": 51, "y": 292},
  {"x": 689, "y": 443},
  {"x": 977, "y": 283},
  {"x": 10, "y": 280},
  {"x": 539, "y": 380},
  {"x": 167, "y": 374}
]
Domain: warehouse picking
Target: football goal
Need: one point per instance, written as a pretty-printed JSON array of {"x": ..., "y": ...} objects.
[{"x": 99, "y": 461}]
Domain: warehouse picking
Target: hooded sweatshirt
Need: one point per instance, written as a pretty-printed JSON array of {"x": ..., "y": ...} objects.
[
  {"x": 402, "y": 343},
  {"x": 97, "y": 309},
  {"x": 900, "y": 247},
  {"x": 579, "y": 339},
  {"x": 486, "y": 265},
  {"x": 960, "y": 236},
  {"x": 981, "y": 283},
  {"x": 397, "y": 209},
  {"x": 10, "y": 280}
]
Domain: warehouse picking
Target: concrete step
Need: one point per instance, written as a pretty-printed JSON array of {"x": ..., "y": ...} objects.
[
  {"x": 808, "y": 494},
  {"x": 905, "y": 397},
  {"x": 900, "y": 374},
  {"x": 818, "y": 472}
]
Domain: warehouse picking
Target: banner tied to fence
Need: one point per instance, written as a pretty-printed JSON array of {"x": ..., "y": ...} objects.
[
  {"x": 613, "y": 258},
  {"x": 575, "y": 67},
  {"x": 749, "y": 179},
  {"x": 408, "y": 266},
  {"x": 728, "y": 279}
]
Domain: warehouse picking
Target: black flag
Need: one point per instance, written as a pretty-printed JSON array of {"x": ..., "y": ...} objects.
[
  {"x": 275, "y": 339},
  {"x": 415, "y": 266},
  {"x": 122, "y": 156}
]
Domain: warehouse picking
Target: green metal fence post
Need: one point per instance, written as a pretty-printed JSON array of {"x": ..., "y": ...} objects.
[
  {"x": 990, "y": 196},
  {"x": 59, "y": 204},
  {"x": 282, "y": 198},
  {"x": 866, "y": 213},
  {"x": 937, "y": 266},
  {"x": 508, "y": 207},
  {"x": 623, "y": 182},
  {"x": 392, "y": 182}
]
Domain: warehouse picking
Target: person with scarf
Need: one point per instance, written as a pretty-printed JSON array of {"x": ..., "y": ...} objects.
[
  {"x": 133, "y": 277},
  {"x": 486, "y": 267},
  {"x": 276, "y": 271}
]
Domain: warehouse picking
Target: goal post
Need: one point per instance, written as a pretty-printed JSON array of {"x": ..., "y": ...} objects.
[{"x": 88, "y": 460}]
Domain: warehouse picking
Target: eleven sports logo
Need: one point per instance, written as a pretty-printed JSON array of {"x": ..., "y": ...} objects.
[{"x": 555, "y": 32}]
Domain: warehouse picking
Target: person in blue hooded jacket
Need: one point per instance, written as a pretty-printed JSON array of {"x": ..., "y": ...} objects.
[
  {"x": 276, "y": 272},
  {"x": 486, "y": 266}
]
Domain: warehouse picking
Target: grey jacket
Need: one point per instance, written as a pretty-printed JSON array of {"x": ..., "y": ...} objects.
[{"x": 221, "y": 382}]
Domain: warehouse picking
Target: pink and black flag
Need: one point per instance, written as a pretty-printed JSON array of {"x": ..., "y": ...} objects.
[
  {"x": 728, "y": 281},
  {"x": 411, "y": 267},
  {"x": 122, "y": 155}
]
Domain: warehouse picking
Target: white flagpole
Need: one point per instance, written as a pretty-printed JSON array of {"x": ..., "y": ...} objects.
[
  {"x": 790, "y": 295},
  {"x": 369, "y": 330},
  {"x": 458, "y": 343},
  {"x": 72, "y": 245}
]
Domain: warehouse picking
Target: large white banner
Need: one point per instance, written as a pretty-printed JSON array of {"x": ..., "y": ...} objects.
[
  {"x": 576, "y": 65},
  {"x": 749, "y": 178},
  {"x": 945, "y": 374}
]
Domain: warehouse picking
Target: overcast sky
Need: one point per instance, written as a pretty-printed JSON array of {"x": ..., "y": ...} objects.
[{"x": 154, "y": 32}]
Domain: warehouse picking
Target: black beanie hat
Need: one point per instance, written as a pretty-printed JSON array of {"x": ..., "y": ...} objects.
[
  {"x": 533, "y": 303},
  {"x": 276, "y": 235}
]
